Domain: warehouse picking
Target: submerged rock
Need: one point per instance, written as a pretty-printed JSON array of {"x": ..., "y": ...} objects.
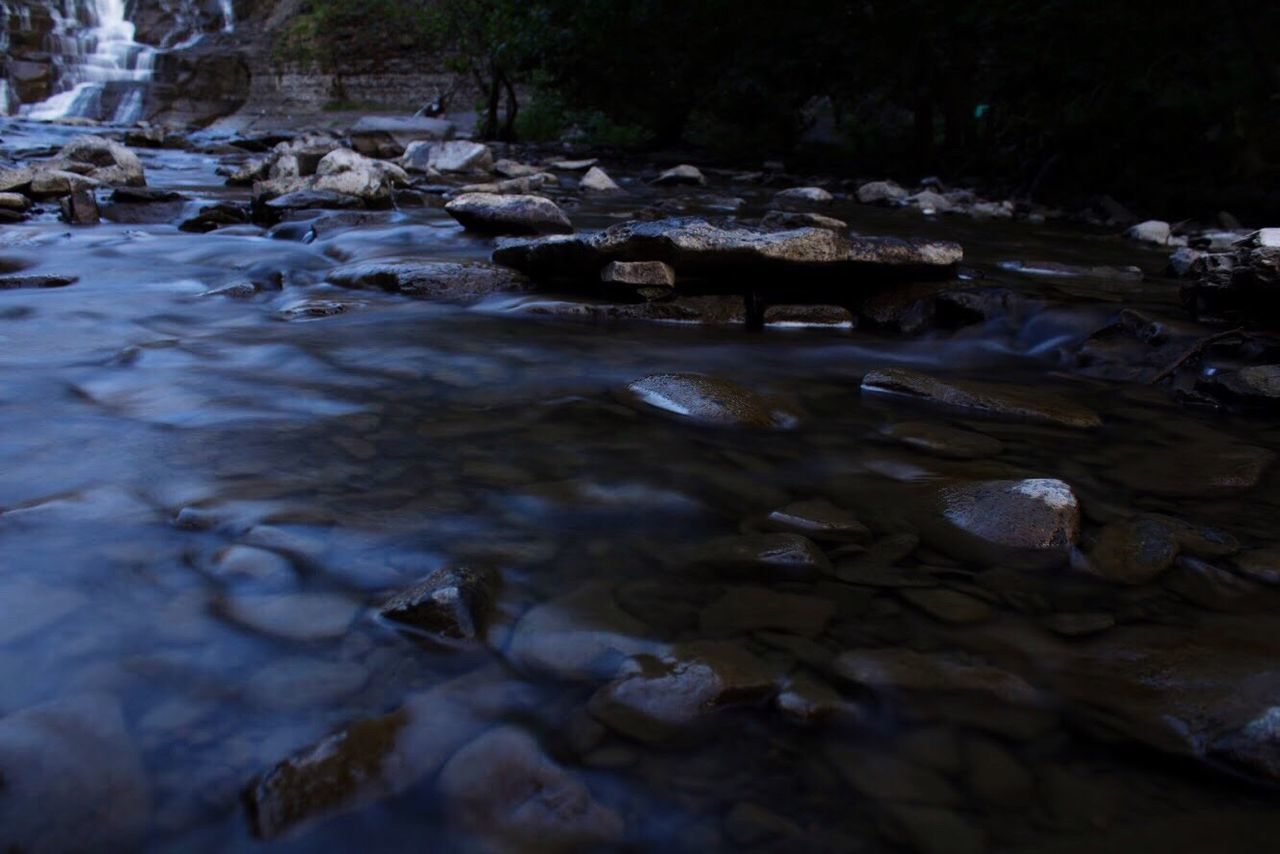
[
  {"x": 71, "y": 779},
  {"x": 942, "y": 441},
  {"x": 504, "y": 789},
  {"x": 498, "y": 214},
  {"x": 819, "y": 519},
  {"x": 452, "y": 602},
  {"x": 710, "y": 401},
  {"x": 987, "y": 398},
  {"x": 773, "y": 557},
  {"x": 904, "y": 670}
]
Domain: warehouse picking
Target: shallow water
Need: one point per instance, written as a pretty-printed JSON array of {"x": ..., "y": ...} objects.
[{"x": 372, "y": 446}]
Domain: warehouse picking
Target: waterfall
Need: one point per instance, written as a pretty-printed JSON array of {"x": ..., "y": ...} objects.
[{"x": 99, "y": 68}]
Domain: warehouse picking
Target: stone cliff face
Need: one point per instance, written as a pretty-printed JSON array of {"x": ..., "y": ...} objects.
[{"x": 193, "y": 62}]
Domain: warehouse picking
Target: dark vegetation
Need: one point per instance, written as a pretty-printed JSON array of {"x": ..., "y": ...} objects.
[{"x": 1169, "y": 103}]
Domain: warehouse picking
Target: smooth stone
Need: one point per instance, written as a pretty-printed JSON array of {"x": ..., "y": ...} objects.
[
  {"x": 377, "y": 758},
  {"x": 458, "y": 155},
  {"x": 802, "y": 197},
  {"x": 765, "y": 556},
  {"x": 1215, "y": 589},
  {"x": 746, "y": 609},
  {"x": 73, "y": 779},
  {"x": 573, "y": 165},
  {"x": 581, "y": 636},
  {"x": 802, "y": 219},
  {"x": 1152, "y": 231},
  {"x": 656, "y": 700},
  {"x": 105, "y": 161},
  {"x": 504, "y": 789},
  {"x": 710, "y": 401},
  {"x": 1260, "y": 383},
  {"x": 949, "y": 606},
  {"x": 303, "y": 684},
  {"x": 987, "y": 398},
  {"x": 1132, "y": 552},
  {"x": 295, "y": 616},
  {"x": 650, "y": 278},
  {"x": 1260, "y": 565},
  {"x": 820, "y": 520},
  {"x": 14, "y": 202},
  {"x": 1033, "y": 522},
  {"x": 881, "y": 192},
  {"x": 683, "y": 174},
  {"x": 498, "y": 214},
  {"x": 894, "y": 670},
  {"x": 241, "y": 565},
  {"x": 452, "y": 602},
  {"x": 527, "y": 185},
  {"x": 942, "y": 441},
  {"x": 513, "y": 169}
]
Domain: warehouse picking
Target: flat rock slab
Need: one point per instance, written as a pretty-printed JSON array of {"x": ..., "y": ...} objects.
[
  {"x": 989, "y": 398},
  {"x": 696, "y": 247},
  {"x": 710, "y": 401},
  {"x": 508, "y": 214},
  {"x": 446, "y": 280}
]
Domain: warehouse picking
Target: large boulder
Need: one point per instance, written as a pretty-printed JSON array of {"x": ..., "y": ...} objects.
[
  {"x": 345, "y": 171},
  {"x": 457, "y": 155},
  {"x": 499, "y": 214},
  {"x": 1032, "y": 522},
  {"x": 101, "y": 160},
  {"x": 389, "y": 136},
  {"x": 445, "y": 280}
]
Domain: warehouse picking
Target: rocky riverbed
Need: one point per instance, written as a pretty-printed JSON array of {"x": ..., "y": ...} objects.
[{"x": 374, "y": 486}]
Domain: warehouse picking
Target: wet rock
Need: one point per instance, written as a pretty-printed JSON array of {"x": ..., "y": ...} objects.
[
  {"x": 55, "y": 182},
  {"x": 751, "y": 824},
  {"x": 8, "y": 283},
  {"x": 748, "y": 609},
  {"x": 683, "y": 175},
  {"x": 700, "y": 249},
  {"x": 766, "y": 556},
  {"x": 248, "y": 566},
  {"x": 445, "y": 280},
  {"x": 649, "y": 279},
  {"x": 1133, "y": 552},
  {"x": 529, "y": 185},
  {"x": 808, "y": 316},
  {"x": 1152, "y": 231},
  {"x": 457, "y": 155},
  {"x": 819, "y": 519},
  {"x": 1206, "y": 586},
  {"x": 942, "y": 441},
  {"x": 903, "y": 670},
  {"x": 72, "y": 779},
  {"x": 216, "y": 216},
  {"x": 795, "y": 219},
  {"x": 293, "y": 616},
  {"x": 101, "y": 160},
  {"x": 1260, "y": 565},
  {"x": 598, "y": 181},
  {"x": 452, "y": 602},
  {"x": 881, "y": 193},
  {"x": 1079, "y": 625},
  {"x": 806, "y": 700},
  {"x": 389, "y": 136},
  {"x": 377, "y": 758},
  {"x": 802, "y": 197},
  {"x": 573, "y": 165},
  {"x": 656, "y": 700},
  {"x": 513, "y": 169},
  {"x": 14, "y": 202},
  {"x": 274, "y": 209},
  {"x": 80, "y": 208},
  {"x": 1194, "y": 469},
  {"x": 495, "y": 214},
  {"x": 932, "y": 830},
  {"x": 1031, "y": 522},
  {"x": 581, "y": 636},
  {"x": 345, "y": 171},
  {"x": 1259, "y": 384},
  {"x": 930, "y": 202},
  {"x": 144, "y": 196},
  {"x": 881, "y": 776},
  {"x": 949, "y": 606},
  {"x": 710, "y": 401},
  {"x": 987, "y": 398},
  {"x": 503, "y": 788},
  {"x": 302, "y": 684}
]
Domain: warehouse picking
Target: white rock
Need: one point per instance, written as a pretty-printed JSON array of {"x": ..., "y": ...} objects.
[
  {"x": 598, "y": 181},
  {"x": 1152, "y": 231}
]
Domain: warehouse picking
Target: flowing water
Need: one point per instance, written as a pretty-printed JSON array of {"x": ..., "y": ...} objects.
[{"x": 148, "y": 426}]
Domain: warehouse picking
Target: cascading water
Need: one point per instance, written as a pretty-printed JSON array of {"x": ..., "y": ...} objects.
[{"x": 98, "y": 67}]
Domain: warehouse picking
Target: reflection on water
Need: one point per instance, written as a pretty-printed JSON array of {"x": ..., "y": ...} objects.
[{"x": 206, "y": 500}]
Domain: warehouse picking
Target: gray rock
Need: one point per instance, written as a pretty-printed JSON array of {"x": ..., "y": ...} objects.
[
  {"x": 452, "y": 602},
  {"x": 56, "y": 182},
  {"x": 345, "y": 171},
  {"x": 504, "y": 789},
  {"x": 512, "y": 169},
  {"x": 802, "y": 197},
  {"x": 527, "y": 185},
  {"x": 388, "y": 136},
  {"x": 101, "y": 160},
  {"x": 819, "y": 519},
  {"x": 496, "y": 214},
  {"x": 772, "y": 557},
  {"x": 683, "y": 175},
  {"x": 81, "y": 208},
  {"x": 294, "y": 616},
  {"x": 795, "y": 219},
  {"x": 14, "y": 202},
  {"x": 881, "y": 192},
  {"x": 987, "y": 398},
  {"x": 457, "y": 155},
  {"x": 1152, "y": 231},
  {"x": 444, "y": 280},
  {"x": 598, "y": 181},
  {"x": 710, "y": 401},
  {"x": 650, "y": 279}
]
